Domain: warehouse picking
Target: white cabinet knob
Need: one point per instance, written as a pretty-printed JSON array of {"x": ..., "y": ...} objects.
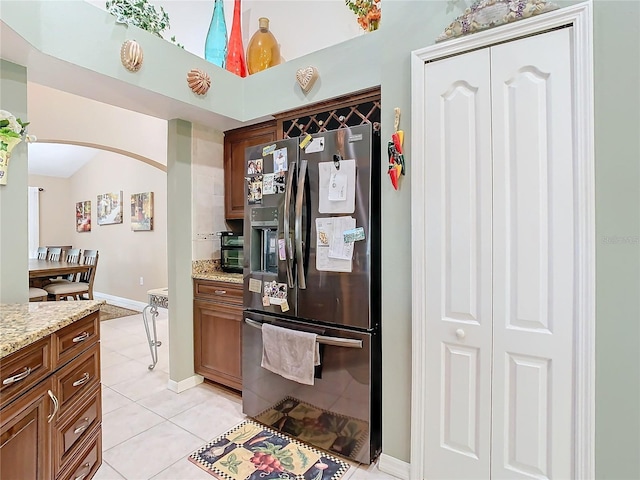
[{"x": 460, "y": 333}]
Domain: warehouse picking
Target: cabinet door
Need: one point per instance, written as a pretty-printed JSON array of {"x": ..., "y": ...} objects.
[
  {"x": 218, "y": 342},
  {"x": 235, "y": 143},
  {"x": 25, "y": 436}
]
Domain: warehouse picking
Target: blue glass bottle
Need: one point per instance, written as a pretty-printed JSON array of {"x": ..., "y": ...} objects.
[{"x": 215, "y": 47}]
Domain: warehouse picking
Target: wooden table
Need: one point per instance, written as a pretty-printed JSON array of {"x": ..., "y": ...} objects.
[{"x": 45, "y": 268}]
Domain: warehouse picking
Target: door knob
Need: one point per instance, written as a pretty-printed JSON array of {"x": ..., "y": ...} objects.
[{"x": 460, "y": 333}]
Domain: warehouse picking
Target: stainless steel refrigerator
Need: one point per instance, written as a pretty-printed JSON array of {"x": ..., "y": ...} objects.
[{"x": 312, "y": 263}]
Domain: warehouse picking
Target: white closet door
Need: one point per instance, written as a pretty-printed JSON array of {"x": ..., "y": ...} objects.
[
  {"x": 458, "y": 261},
  {"x": 534, "y": 281}
]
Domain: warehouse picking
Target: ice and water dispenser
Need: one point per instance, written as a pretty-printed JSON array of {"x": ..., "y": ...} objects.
[{"x": 264, "y": 239}]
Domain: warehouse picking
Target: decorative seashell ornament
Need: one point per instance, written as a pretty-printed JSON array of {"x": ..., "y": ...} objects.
[
  {"x": 306, "y": 77},
  {"x": 198, "y": 81},
  {"x": 131, "y": 55}
]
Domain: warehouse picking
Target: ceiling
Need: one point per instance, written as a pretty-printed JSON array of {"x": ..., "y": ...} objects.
[{"x": 58, "y": 160}]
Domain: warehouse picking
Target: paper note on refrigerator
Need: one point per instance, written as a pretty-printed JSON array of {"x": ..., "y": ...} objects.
[
  {"x": 337, "y": 187},
  {"x": 332, "y": 253},
  {"x": 338, "y": 248}
]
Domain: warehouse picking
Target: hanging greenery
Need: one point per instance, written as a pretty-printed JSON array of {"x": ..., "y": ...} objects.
[{"x": 141, "y": 14}]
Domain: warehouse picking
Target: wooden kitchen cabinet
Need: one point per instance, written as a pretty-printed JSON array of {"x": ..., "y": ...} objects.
[
  {"x": 51, "y": 411},
  {"x": 25, "y": 436},
  {"x": 217, "y": 316},
  {"x": 235, "y": 170}
]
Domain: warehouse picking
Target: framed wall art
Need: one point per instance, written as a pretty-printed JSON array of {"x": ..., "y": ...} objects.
[
  {"x": 83, "y": 216},
  {"x": 110, "y": 208},
  {"x": 142, "y": 211}
]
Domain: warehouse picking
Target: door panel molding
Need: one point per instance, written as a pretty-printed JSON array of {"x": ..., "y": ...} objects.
[{"x": 579, "y": 17}]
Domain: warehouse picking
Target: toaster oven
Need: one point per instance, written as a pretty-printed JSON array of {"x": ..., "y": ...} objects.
[{"x": 231, "y": 252}]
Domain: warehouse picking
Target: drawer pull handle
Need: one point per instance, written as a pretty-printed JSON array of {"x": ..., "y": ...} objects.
[
  {"x": 18, "y": 377},
  {"x": 83, "y": 475},
  {"x": 82, "y": 428},
  {"x": 81, "y": 338},
  {"x": 85, "y": 378},
  {"x": 56, "y": 405},
  {"x": 220, "y": 292}
]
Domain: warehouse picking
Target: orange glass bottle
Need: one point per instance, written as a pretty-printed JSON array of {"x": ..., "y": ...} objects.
[{"x": 263, "y": 50}]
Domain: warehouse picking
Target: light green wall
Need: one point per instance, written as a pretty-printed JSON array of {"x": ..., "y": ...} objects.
[
  {"x": 179, "y": 230},
  {"x": 14, "y": 247},
  {"x": 83, "y": 35},
  {"x": 407, "y": 26},
  {"x": 88, "y": 37},
  {"x": 617, "y": 142}
]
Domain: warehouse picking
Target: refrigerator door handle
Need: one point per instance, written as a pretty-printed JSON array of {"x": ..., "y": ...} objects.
[
  {"x": 286, "y": 226},
  {"x": 321, "y": 339},
  {"x": 302, "y": 282}
]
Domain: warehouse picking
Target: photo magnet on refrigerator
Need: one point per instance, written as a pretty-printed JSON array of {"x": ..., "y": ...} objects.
[
  {"x": 268, "y": 184},
  {"x": 254, "y": 167},
  {"x": 254, "y": 190},
  {"x": 353, "y": 235},
  {"x": 280, "y": 160},
  {"x": 284, "y": 306},
  {"x": 282, "y": 253},
  {"x": 275, "y": 292}
]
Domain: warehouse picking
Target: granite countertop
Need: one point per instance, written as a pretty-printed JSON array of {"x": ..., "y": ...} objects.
[
  {"x": 24, "y": 323},
  {"x": 219, "y": 276}
]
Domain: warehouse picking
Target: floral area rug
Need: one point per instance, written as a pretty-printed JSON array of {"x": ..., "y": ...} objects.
[
  {"x": 335, "y": 433},
  {"x": 251, "y": 451}
]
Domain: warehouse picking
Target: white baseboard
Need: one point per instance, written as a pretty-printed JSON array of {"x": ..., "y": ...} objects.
[
  {"x": 120, "y": 301},
  {"x": 395, "y": 467},
  {"x": 185, "y": 384}
]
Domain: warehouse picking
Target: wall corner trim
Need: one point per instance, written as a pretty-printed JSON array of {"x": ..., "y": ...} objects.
[
  {"x": 186, "y": 384},
  {"x": 395, "y": 467}
]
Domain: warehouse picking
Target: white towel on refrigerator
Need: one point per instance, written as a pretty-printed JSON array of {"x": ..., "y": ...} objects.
[{"x": 290, "y": 353}]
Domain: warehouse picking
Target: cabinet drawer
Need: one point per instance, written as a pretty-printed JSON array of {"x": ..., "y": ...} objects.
[
  {"x": 86, "y": 464},
  {"x": 73, "y": 429},
  {"x": 75, "y": 338},
  {"x": 218, "y": 291},
  {"x": 23, "y": 369},
  {"x": 77, "y": 378}
]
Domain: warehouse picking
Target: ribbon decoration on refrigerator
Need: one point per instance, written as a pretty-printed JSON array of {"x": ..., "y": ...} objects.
[{"x": 394, "y": 148}]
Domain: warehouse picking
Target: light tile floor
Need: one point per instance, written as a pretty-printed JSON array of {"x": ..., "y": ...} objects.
[{"x": 149, "y": 431}]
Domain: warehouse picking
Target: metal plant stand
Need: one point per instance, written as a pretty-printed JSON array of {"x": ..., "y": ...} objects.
[{"x": 157, "y": 298}]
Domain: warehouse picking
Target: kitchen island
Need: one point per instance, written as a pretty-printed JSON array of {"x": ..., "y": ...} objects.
[{"x": 50, "y": 397}]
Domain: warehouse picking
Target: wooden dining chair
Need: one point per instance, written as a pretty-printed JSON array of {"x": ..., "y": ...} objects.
[
  {"x": 41, "y": 254},
  {"x": 83, "y": 284},
  {"x": 70, "y": 256},
  {"x": 37, "y": 294},
  {"x": 54, "y": 254}
]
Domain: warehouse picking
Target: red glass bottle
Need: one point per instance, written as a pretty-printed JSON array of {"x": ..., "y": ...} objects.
[{"x": 235, "y": 53}]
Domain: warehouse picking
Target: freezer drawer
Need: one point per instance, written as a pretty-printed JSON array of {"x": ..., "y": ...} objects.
[{"x": 340, "y": 413}]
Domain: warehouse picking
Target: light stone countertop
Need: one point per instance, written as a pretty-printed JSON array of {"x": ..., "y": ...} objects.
[
  {"x": 219, "y": 277},
  {"x": 21, "y": 324}
]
